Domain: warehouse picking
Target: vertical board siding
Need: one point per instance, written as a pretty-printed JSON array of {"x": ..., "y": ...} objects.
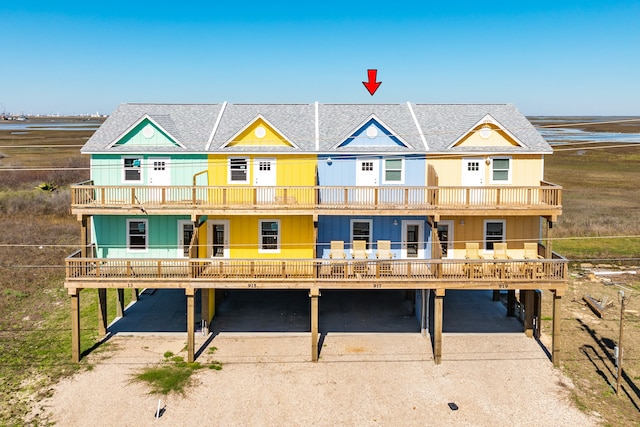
[
  {"x": 339, "y": 228},
  {"x": 110, "y": 233},
  {"x": 526, "y": 170},
  {"x": 299, "y": 170},
  {"x": 342, "y": 170},
  {"x": 136, "y": 137},
  {"x": 106, "y": 169}
]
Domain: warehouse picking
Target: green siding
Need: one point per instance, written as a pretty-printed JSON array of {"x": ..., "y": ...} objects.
[
  {"x": 157, "y": 137},
  {"x": 106, "y": 169},
  {"x": 109, "y": 232}
]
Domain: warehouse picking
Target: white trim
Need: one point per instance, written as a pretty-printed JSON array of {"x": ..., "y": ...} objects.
[
  {"x": 451, "y": 225},
  {"x": 421, "y": 240},
  {"x": 487, "y": 119},
  {"x": 225, "y": 248},
  {"x": 123, "y": 179},
  {"x": 150, "y": 169},
  {"x": 136, "y": 123},
  {"x": 509, "y": 174},
  {"x": 484, "y": 233},
  {"x": 384, "y": 170},
  {"x": 415, "y": 120},
  {"x": 146, "y": 236},
  {"x": 260, "y": 236},
  {"x": 370, "y": 243},
  {"x": 215, "y": 126},
  {"x": 248, "y": 165},
  {"x": 251, "y": 123},
  {"x": 381, "y": 123},
  {"x": 182, "y": 244}
]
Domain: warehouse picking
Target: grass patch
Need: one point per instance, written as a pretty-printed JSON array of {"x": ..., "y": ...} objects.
[{"x": 173, "y": 375}]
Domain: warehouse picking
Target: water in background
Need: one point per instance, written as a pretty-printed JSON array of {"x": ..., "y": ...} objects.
[{"x": 560, "y": 135}]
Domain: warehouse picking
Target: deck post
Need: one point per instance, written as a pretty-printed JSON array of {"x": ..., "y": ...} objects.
[
  {"x": 102, "y": 312},
  {"x": 437, "y": 326},
  {"x": 424, "y": 317},
  {"x": 204, "y": 309},
  {"x": 191, "y": 324},
  {"x": 555, "y": 329},
  {"x": 84, "y": 239},
  {"x": 314, "y": 293},
  {"x": 528, "y": 312},
  {"x": 74, "y": 293},
  {"x": 511, "y": 303},
  {"x": 119, "y": 302}
]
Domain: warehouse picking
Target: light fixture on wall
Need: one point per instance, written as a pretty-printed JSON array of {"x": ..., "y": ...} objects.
[
  {"x": 462, "y": 222},
  {"x": 487, "y": 161},
  {"x": 395, "y": 222},
  {"x": 329, "y": 161}
]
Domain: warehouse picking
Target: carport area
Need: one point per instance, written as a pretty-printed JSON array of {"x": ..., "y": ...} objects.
[{"x": 343, "y": 313}]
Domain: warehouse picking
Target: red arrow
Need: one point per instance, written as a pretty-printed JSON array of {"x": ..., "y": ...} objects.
[{"x": 372, "y": 85}]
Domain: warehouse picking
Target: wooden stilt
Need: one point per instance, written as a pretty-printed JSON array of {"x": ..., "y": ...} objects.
[
  {"x": 555, "y": 331},
  {"x": 204, "y": 309},
  {"x": 191, "y": 324},
  {"x": 437, "y": 325},
  {"x": 511, "y": 303},
  {"x": 74, "y": 293},
  {"x": 423, "y": 312},
  {"x": 84, "y": 236},
  {"x": 134, "y": 294},
  {"x": 496, "y": 295},
  {"x": 314, "y": 294},
  {"x": 528, "y": 313},
  {"x": 119, "y": 302},
  {"x": 102, "y": 312}
]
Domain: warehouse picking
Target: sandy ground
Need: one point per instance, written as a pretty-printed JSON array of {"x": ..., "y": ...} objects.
[{"x": 360, "y": 380}]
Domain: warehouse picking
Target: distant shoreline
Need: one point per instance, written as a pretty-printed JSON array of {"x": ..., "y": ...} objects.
[{"x": 615, "y": 124}]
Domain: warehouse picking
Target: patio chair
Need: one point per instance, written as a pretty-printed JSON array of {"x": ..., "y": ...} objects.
[
  {"x": 359, "y": 251},
  {"x": 500, "y": 252},
  {"x": 533, "y": 269},
  {"x": 472, "y": 251},
  {"x": 384, "y": 252},
  {"x": 337, "y": 252}
]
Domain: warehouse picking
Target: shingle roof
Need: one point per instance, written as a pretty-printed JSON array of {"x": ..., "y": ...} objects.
[{"x": 192, "y": 125}]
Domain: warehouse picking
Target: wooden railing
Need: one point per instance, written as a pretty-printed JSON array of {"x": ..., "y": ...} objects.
[
  {"x": 130, "y": 271},
  {"x": 320, "y": 198}
]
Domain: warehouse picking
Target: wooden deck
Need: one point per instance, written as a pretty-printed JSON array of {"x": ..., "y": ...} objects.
[
  {"x": 88, "y": 199},
  {"x": 315, "y": 273}
]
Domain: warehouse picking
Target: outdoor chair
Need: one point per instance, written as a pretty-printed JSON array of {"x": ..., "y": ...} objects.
[
  {"x": 472, "y": 251},
  {"x": 384, "y": 252},
  {"x": 359, "y": 251},
  {"x": 502, "y": 269},
  {"x": 337, "y": 252},
  {"x": 533, "y": 269}
]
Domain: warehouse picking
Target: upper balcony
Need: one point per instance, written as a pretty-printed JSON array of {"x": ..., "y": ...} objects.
[{"x": 89, "y": 199}]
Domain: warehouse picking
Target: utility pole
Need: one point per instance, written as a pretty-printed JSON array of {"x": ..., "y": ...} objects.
[{"x": 619, "y": 348}]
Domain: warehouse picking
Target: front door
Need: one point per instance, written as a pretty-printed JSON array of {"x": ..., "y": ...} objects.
[
  {"x": 473, "y": 176},
  {"x": 264, "y": 175},
  {"x": 185, "y": 234},
  {"x": 218, "y": 238},
  {"x": 445, "y": 236},
  {"x": 366, "y": 176},
  {"x": 159, "y": 176},
  {"x": 413, "y": 239}
]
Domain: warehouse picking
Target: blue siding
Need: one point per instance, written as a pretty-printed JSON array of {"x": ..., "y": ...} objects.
[
  {"x": 342, "y": 170},
  {"x": 339, "y": 228}
]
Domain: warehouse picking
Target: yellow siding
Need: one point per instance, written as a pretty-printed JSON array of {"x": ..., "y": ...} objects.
[
  {"x": 497, "y": 138},
  {"x": 519, "y": 230},
  {"x": 526, "y": 170},
  {"x": 290, "y": 170},
  {"x": 296, "y": 237},
  {"x": 259, "y": 133}
]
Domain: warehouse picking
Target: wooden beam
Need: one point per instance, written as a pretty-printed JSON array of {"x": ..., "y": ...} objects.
[
  {"x": 204, "y": 309},
  {"x": 511, "y": 303},
  {"x": 528, "y": 312},
  {"x": 102, "y": 312},
  {"x": 555, "y": 329},
  {"x": 83, "y": 236},
  {"x": 75, "y": 324},
  {"x": 437, "y": 326},
  {"x": 314, "y": 293},
  {"x": 191, "y": 324},
  {"x": 424, "y": 318}
]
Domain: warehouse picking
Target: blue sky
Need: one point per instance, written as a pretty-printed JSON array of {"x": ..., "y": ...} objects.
[{"x": 547, "y": 57}]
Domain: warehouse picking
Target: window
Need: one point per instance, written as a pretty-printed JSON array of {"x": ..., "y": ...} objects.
[
  {"x": 185, "y": 234},
  {"x": 269, "y": 235},
  {"x": 367, "y": 166},
  {"x": 393, "y": 171},
  {"x": 500, "y": 170},
  {"x": 494, "y": 231},
  {"x": 361, "y": 230},
  {"x": 473, "y": 166},
  {"x": 238, "y": 170},
  {"x": 136, "y": 235},
  {"x": 132, "y": 169}
]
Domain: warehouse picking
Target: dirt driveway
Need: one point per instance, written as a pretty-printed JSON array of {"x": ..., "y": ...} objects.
[{"x": 362, "y": 379}]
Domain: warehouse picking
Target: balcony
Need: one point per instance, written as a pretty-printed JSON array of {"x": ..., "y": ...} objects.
[
  {"x": 315, "y": 273},
  {"x": 89, "y": 199}
]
